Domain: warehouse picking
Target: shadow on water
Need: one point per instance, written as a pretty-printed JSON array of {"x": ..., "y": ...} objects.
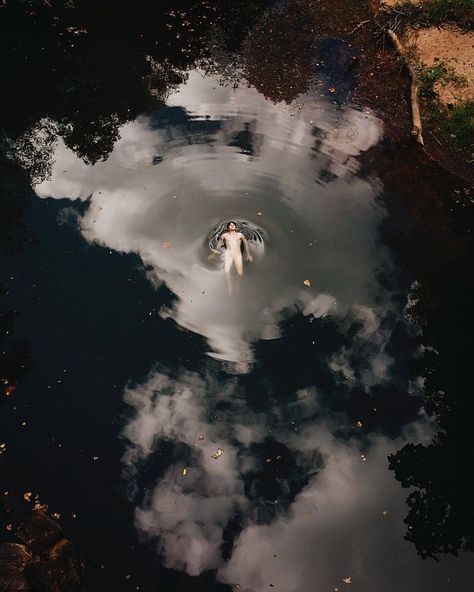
[
  {"x": 254, "y": 428},
  {"x": 437, "y": 250}
]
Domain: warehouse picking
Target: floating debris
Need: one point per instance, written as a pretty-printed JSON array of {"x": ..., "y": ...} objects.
[
  {"x": 218, "y": 454},
  {"x": 185, "y": 472},
  {"x": 307, "y": 283}
]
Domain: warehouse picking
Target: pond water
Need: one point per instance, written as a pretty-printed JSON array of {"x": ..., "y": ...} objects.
[{"x": 198, "y": 437}]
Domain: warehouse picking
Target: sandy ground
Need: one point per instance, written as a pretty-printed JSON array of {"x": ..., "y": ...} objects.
[
  {"x": 449, "y": 44},
  {"x": 452, "y": 46}
]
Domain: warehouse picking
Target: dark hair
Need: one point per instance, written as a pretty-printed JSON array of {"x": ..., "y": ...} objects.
[{"x": 231, "y": 222}]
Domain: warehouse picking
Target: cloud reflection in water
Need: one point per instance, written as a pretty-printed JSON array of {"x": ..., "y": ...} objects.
[
  {"x": 303, "y": 506},
  {"x": 318, "y": 230}
]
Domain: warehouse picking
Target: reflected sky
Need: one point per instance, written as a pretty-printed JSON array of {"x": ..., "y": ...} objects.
[
  {"x": 217, "y": 154},
  {"x": 284, "y": 492},
  {"x": 314, "y": 508}
]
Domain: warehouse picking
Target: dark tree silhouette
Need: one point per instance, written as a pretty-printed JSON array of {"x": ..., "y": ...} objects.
[
  {"x": 83, "y": 69},
  {"x": 437, "y": 251}
]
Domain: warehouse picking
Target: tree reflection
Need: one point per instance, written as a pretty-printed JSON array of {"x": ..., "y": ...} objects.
[
  {"x": 89, "y": 68},
  {"x": 437, "y": 252},
  {"x": 441, "y": 518},
  {"x": 14, "y": 188},
  {"x": 281, "y": 40}
]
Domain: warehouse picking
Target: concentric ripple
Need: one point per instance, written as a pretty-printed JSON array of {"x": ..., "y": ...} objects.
[{"x": 215, "y": 154}]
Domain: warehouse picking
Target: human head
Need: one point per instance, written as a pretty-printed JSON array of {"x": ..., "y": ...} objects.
[{"x": 231, "y": 225}]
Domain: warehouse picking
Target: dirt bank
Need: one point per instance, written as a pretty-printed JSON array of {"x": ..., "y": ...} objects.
[
  {"x": 383, "y": 82},
  {"x": 451, "y": 46}
]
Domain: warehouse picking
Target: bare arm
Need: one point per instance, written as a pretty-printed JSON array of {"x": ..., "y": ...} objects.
[{"x": 220, "y": 243}]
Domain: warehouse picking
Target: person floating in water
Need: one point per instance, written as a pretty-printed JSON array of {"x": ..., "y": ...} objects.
[{"x": 233, "y": 242}]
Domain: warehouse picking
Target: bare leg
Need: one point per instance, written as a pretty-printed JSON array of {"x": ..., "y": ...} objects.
[
  {"x": 227, "y": 268},
  {"x": 239, "y": 268},
  {"x": 239, "y": 265}
]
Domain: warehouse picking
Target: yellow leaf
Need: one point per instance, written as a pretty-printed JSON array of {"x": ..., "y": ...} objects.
[
  {"x": 307, "y": 283},
  {"x": 218, "y": 453}
]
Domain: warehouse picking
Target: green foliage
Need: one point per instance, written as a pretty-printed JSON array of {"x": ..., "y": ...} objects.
[
  {"x": 436, "y": 12},
  {"x": 455, "y": 125},
  {"x": 438, "y": 73},
  {"x": 439, "y": 11},
  {"x": 459, "y": 126}
]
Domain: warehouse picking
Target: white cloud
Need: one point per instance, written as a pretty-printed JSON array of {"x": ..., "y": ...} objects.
[
  {"x": 335, "y": 527},
  {"x": 136, "y": 206}
]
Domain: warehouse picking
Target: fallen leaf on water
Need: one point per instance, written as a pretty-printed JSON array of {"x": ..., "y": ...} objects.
[
  {"x": 307, "y": 283},
  {"x": 201, "y": 437},
  {"x": 359, "y": 424},
  {"x": 27, "y": 496},
  {"x": 259, "y": 213},
  {"x": 185, "y": 471},
  {"x": 39, "y": 506},
  {"x": 9, "y": 527},
  {"x": 332, "y": 89},
  {"x": 347, "y": 580},
  {"x": 385, "y": 512},
  {"x": 218, "y": 453}
]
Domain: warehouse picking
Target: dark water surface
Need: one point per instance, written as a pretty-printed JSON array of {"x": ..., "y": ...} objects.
[{"x": 196, "y": 440}]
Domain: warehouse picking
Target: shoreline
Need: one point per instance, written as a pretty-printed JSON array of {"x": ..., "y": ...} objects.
[{"x": 383, "y": 81}]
